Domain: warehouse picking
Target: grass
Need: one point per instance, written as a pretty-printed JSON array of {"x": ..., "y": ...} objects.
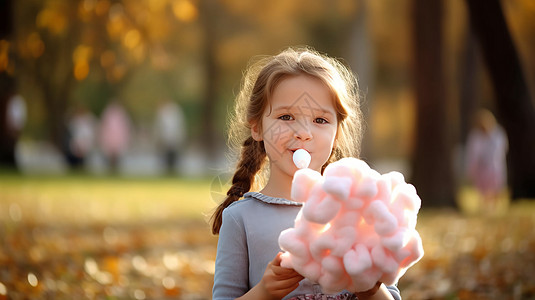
[
  {"x": 112, "y": 237},
  {"x": 84, "y": 198},
  {"x": 85, "y": 237}
]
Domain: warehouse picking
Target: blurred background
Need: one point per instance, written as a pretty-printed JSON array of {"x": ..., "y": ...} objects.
[{"x": 113, "y": 135}]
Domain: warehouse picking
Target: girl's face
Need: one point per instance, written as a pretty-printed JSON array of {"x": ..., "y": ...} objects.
[{"x": 301, "y": 114}]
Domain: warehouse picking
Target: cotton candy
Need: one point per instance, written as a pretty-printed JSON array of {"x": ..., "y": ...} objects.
[
  {"x": 301, "y": 158},
  {"x": 356, "y": 227}
]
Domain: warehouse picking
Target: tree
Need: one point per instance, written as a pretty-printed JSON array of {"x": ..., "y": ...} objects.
[
  {"x": 208, "y": 20},
  {"x": 432, "y": 166},
  {"x": 61, "y": 44},
  {"x": 468, "y": 78},
  {"x": 515, "y": 107},
  {"x": 7, "y": 84},
  {"x": 195, "y": 51}
]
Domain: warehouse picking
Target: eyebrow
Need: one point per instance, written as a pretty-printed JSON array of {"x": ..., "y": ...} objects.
[{"x": 293, "y": 107}]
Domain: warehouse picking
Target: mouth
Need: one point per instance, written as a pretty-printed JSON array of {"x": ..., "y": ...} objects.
[{"x": 295, "y": 149}]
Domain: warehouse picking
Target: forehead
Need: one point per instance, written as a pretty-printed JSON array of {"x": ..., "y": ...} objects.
[{"x": 302, "y": 92}]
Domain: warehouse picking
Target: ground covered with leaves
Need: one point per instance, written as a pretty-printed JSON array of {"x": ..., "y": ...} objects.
[
  {"x": 64, "y": 238},
  {"x": 475, "y": 256}
]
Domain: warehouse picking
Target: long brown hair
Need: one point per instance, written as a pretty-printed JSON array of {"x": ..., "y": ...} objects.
[{"x": 259, "y": 82}]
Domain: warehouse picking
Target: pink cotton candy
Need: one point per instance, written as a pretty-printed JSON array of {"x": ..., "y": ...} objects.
[
  {"x": 377, "y": 213},
  {"x": 321, "y": 208},
  {"x": 356, "y": 227},
  {"x": 397, "y": 240},
  {"x": 293, "y": 244},
  {"x": 357, "y": 260},
  {"x": 383, "y": 260},
  {"x": 347, "y": 219},
  {"x": 311, "y": 270},
  {"x": 366, "y": 189},
  {"x": 333, "y": 278},
  {"x": 339, "y": 187},
  {"x": 347, "y": 167},
  {"x": 303, "y": 182},
  {"x": 366, "y": 280},
  {"x": 345, "y": 237},
  {"x": 322, "y": 246}
]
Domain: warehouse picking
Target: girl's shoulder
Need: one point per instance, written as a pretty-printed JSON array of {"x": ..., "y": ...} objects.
[
  {"x": 254, "y": 199},
  {"x": 261, "y": 198},
  {"x": 255, "y": 207}
]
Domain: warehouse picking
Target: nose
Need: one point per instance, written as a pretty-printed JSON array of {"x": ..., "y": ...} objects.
[{"x": 302, "y": 132}]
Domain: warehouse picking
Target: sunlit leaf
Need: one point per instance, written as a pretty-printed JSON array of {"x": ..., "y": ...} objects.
[
  {"x": 132, "y": 38},
  {"x": 81, "y": 69},
  {"x": 185, "y": 11},
  {"x": 35, "y": 45},
  {"x": 4, "y": 55}
]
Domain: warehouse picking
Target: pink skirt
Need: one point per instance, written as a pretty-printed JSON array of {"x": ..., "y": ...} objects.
[{"x": 343, "y": 296}]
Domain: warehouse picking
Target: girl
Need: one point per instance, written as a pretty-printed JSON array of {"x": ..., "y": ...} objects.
[
  {"x": 297, "y": 99},
  {"x": 486, "y": 158}
]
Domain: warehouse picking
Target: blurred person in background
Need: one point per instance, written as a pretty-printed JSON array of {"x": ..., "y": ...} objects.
[
  {"x": 14, "y": 120},
  {"x": 114, "y": 133},
  {"x": 81, "y": 131},
  {"x": 486, "y": 158},
  {"x": 170, "y": 132}
]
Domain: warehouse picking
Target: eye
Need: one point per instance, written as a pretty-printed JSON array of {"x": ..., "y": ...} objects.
[
  {"x": 321, "y": 121},
  {"x": 286, "y": 118}
]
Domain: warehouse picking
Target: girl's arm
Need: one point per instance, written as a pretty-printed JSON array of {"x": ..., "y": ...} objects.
[
  {"x": 276, "y": 283},
  {"x": 231, "y": 278}
]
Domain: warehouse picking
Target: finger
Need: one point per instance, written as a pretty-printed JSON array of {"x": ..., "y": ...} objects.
[
  {"x": 289, "y": 289},
  {"x": 370, "y": 292},
  {"x": 277, "y": 260},
  {"x": 282, "y": 271},
  {"x": 291, "y": 282},
  {"x": 279, "y": 292},
  {"x": 289, "y": 276}
]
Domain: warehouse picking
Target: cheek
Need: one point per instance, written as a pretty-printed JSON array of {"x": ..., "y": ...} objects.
[
  {"x": 329, "y": 136},
  {"x": 327, "y": 140},
  {"x": 276, "y": 139},
  {"x": 278, "y": 133},
  {"x": 330, "y": 140}
]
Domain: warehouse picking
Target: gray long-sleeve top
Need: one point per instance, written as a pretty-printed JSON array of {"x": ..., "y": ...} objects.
[{"x": 248, "y": 241}]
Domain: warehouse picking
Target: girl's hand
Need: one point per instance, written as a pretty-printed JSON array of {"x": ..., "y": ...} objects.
[
  {"x": 278, "y": 281},
  {"x": 369, "y": 293},
  {"x": 379, "y": 291}
]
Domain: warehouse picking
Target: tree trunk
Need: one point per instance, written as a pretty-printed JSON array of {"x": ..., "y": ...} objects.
[
  {"x": 515, "y": 108},
  {"x": 360, "y": 58},
  {"x": 8, "y": 137},
  {"x": 468, "y": 82},
  {"x": 432, "y": 163},
  {"x": 208, "y": 139}
]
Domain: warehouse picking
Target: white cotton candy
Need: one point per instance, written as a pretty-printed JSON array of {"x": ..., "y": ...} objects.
[{"x": 301, "y": 158}]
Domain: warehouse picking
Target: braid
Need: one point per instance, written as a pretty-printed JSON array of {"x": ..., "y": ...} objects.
[{"x": 251, "y": 160}]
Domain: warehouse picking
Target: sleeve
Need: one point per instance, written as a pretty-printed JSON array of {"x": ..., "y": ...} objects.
[
  {"x": 394, "y": 291},
  {"x": 231, "y": 279},
  {"x": 471, "y": 155}
]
